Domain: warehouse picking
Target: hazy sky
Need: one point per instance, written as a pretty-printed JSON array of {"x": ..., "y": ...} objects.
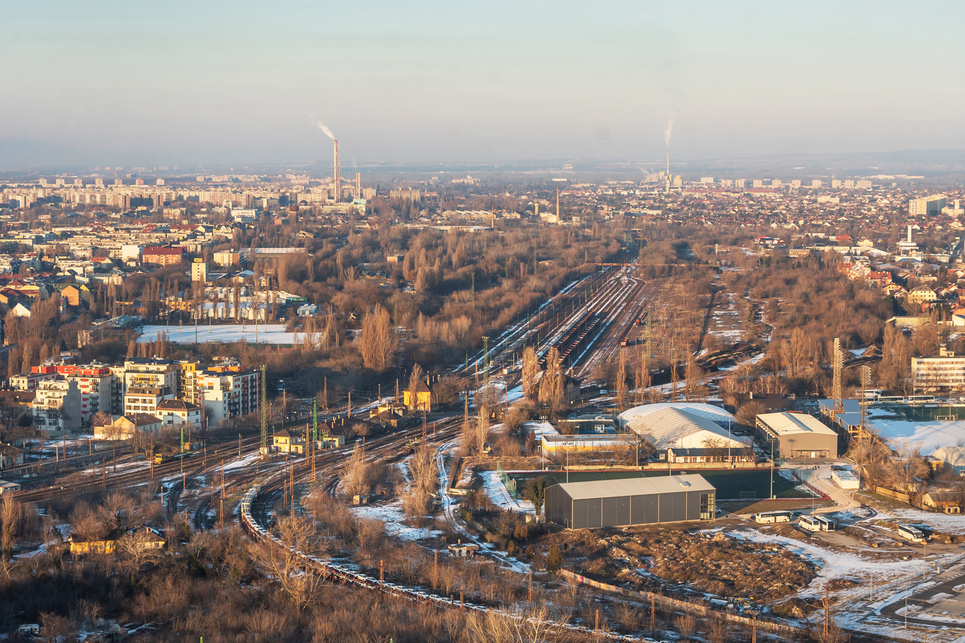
[{"x": 137, "y": 82}]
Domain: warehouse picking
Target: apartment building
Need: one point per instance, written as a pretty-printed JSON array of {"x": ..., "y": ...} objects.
[
  {"x": 56, "y": 409},
  {"x": 943, "y": 372},
  {"x": 227, "y": 392}
]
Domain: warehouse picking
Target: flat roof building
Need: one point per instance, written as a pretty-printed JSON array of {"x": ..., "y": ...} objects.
[
  {"x": 797, "y": 435},
  {"x": 630, "y": 501}
]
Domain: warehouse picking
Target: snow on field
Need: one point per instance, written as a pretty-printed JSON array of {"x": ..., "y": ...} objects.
[
  {"x": 243, "y": 463},
  {"x": 500, "y": 495},
  {"x": 223, "y": 334},
  {"x": 746, "y": 362},
  {"x": 940, "y": 522},
  {"x": 834, "y": 564},
  {"x": 925, "y": 435},
  {"x": 539, "y": 429},
  {"x": 124, "y": 466},
  {"x": 392, "y": 516}
]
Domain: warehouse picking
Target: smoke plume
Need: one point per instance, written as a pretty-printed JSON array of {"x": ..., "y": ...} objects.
[
  {"x": 669, "y": 130},
  {"x": 322, "y": 126}
]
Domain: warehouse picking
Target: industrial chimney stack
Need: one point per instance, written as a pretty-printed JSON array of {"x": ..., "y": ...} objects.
[
  {"x": 668, "y": 171},
  {"x": 338, "y": 184},
  {"x": 358, "y": 185}
]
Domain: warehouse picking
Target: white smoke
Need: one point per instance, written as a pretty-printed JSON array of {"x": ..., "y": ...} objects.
[
  {"x": 669, "y": 130},
  {"x": 322, "y": 126}
]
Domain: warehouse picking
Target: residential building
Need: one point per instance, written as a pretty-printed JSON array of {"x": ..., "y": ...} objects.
[
  {"x": 144, "y": 400},
  {"x": 420, "y": 399},
  {"x": 56, "y": 409},
  {"x": 926, "y": 206},
  {"x": 285, "y": 441},
  {"x": 177, "y": 412},
  {"x": 162, "y": 255},
  {"x": 125, "y": 427},
  {"x": 227, "y": 391},
  {"x": 943, "y": 372}
]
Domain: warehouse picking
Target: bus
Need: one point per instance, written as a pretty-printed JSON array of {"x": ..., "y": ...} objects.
[
  {"x": 913, "y": 534},
  {"x": 816, "y": 523},
  {"x": 767, "y": 517}
]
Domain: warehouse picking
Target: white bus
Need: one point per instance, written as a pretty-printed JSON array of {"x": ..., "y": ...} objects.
[
  {"x": 816, "y": 523},
  {"x": 911, "y": 533},
  {"x": 767, "y": 517}
]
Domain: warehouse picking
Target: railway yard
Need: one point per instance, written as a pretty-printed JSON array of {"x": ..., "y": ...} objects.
[{"x": 775, "y": 582}]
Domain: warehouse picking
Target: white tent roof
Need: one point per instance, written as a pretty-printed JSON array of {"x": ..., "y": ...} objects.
[
  {"x": 696, "y": 409},
  {"x": 675, "y": 427}
]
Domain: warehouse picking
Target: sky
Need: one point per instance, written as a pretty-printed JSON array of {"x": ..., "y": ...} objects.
[{"x": 213, "y": 82}]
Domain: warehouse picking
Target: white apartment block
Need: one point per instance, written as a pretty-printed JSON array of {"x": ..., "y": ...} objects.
[
  {"x": 56, "y": 409},
  {"x": 943, "y": 372}
]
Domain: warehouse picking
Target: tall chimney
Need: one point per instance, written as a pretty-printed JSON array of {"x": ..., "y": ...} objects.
[
  {"x": 909, "y": 234},
  {"x": 668, "y": 170},
  {"x": 338, "y": 184},
  {"x": 358, "y": 185},
  {"x": 557, "y": 204}
]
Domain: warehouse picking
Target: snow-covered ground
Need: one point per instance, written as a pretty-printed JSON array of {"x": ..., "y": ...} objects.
[
  {"x": 941, "y": 522},
  {"x": 925, "y": 435},
  {"x": 500, "y": 495},
  {"x": 832, "y": 564},
  {"x": 539, "y": 429},
  {"x": 223, "y": 334},
  {"x": 243, "y": 463},
  {"x": 392, "y": 517}
]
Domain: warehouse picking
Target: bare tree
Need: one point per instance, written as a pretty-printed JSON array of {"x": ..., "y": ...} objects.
[
  {"x": 377, "y": 341},
  {"x": 620, "y": 381},
  {"x": 530, "y": 373},
  {"x": 300, "y": 585},
  {"x": 415, "y": 380},
  {"x": 10, "y": 516}
]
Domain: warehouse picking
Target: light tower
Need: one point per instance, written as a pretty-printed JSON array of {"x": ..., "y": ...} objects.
[{"x": 338, "y": 189}]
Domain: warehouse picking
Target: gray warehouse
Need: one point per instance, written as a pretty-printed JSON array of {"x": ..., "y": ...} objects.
[
  {"x": 630, "y": 501},
  {"x": 797, "y": 435}
]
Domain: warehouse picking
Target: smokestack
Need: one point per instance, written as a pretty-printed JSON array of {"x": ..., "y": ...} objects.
[
  {"x": 557, "y": 204},
  {"x": 358, "y": 185},
  {"x": 668, "y": 170},
  {"x": 338, "y": 184},
  {"x": 909, "y": 234}
]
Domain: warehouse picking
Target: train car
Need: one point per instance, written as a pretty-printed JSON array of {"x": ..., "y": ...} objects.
[{"x": 161, "y": 458}]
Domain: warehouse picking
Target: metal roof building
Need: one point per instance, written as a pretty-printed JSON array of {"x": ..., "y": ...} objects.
[
  {"x": 797, "y": 435},
  {"x": 630, "y": 501}
]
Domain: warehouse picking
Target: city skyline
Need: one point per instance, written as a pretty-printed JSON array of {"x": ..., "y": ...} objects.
[{"x": 121, "y": 84}]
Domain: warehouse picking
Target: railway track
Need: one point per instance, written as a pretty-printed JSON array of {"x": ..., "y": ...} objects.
[{"x": 256, "y": 519}]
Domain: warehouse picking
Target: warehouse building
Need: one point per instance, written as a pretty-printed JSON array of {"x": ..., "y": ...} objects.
[
  {"x": 630, "y": 501},
  {"x": 797, "y": 435}
]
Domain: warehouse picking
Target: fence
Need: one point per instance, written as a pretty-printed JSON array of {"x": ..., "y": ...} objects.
[
  {"x": 509, "y": 482},
  {"x": 677, "y": 605}
]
